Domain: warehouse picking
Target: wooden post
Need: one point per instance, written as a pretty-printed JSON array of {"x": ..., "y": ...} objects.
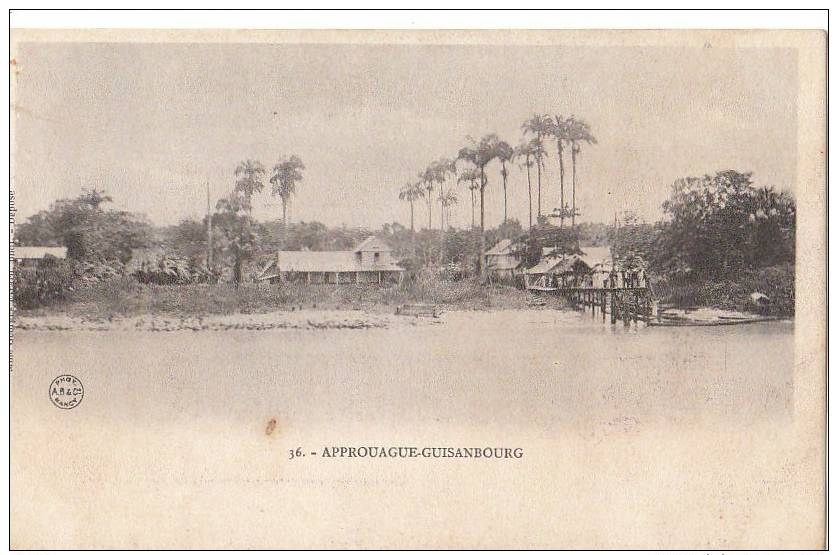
[
  {"x": 636, "y": 307},
  {"x": 604, "y": 294},
  {"x": 625, "y": 311},
  {"x": 613, "y": 306}
]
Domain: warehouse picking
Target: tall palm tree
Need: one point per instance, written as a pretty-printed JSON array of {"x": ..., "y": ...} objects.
[
  {"x": 504, "y": 154},
  {"x": 578, "y": 132},
  {"x": 249, "y": 175},
  {"x": 441, "y": 170},
  {"x": 525, "y": 151},
  {"x": 286, "y": 174},
  {"x": 411, "y": 192},
  {"x": 560, "y": 132},
  {"x": 480, "y": 154},
  {"x": 470, "y": 175},
  {"x": 427, "y": 179},
  {"x": 539, "y": 125}
]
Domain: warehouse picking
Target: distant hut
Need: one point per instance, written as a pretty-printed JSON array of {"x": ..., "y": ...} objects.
[
  {"x": 601, "y": 273},
  {"x": 598, "y": 260},
  {"x": 571, "y": 271},
  {"x": 557, "y": 272},
  {"x": 30, "y": 256},
  {"x": 502, "y": 261}
]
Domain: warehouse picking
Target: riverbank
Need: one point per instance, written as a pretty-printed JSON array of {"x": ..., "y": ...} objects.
[
  {"x": 296, "y": 320},
  {"x": 124, "y": 298},
  {"x": 776, "y": 282}
]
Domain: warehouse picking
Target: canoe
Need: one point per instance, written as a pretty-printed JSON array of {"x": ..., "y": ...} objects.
[{"x": 720, "y": 322}]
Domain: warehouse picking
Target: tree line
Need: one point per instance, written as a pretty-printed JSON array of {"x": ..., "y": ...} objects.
[
  {"x": 715, "y": 227},
  {"x": 437, "y": 182}
]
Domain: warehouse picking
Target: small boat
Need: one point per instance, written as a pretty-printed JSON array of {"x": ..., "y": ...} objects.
[
  {"x": 721, "y": 321},
  {"x": 707, "y": 317}
]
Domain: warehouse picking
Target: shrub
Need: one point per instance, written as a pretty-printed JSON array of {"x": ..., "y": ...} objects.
[
  {"x": 38, "y": 286},
  {"x": 777, "y": 282}
]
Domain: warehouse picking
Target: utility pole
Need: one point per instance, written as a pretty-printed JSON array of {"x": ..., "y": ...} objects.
[{"x": 209, "y": 231}]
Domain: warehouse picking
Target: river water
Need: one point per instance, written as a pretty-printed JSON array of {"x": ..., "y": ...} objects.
[
  {"x": 168, "y": 417},
  {"x": 527, "y": 368}
]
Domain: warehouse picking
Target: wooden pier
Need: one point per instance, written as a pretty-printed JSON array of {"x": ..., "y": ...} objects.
[{"x": 630, "y": 304}]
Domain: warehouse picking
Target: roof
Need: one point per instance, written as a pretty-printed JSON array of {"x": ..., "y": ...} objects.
[
  {"x": 502, "y": 247},
  {"x": 595, "y": 255},
  {"x": 35, "y": 253},
  {"x": 332, "y": 261},
  {"x": 544, "y": 265},
  {"x": 571, "y": 264},
  {"x": 553, "y": 265},
  {"x": 372, "y": 244}
]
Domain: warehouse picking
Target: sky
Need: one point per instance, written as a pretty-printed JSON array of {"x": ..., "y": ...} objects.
[{"x": 153, "y": 124}]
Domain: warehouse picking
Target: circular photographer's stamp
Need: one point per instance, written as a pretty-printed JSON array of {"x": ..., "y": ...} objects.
[{"x": 66, "y": 391}]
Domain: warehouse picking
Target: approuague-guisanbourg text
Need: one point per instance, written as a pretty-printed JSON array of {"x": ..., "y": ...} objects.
[{"x": 394, "y": 452}]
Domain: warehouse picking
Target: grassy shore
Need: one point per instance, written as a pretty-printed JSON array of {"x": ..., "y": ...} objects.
[
  {"x": 125, "y": 297},
  {"x": 777, "y": 282}
]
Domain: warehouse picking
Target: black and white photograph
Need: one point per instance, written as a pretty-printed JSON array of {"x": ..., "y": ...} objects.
[{"x": 416, "y": 289}]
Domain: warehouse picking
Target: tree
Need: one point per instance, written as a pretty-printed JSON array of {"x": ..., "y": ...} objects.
[
  {"x": 578, "y": 132},
  {"x": 632, "y": 238},
  {"x": 411, "y": 192},
  {"x": 187, "y": 239},
  {"x": 427, "y": 177},
  {"x": 90, "y": 232},
  {"x": 236, "y": 227},
  {"x": 504, "y": 154},
  {"x": 720, "y": 225},
  {"x": 480, "y": 154},
  {"x": 540, "y": 126},
  {"x": 249, "y": 175},
  {"x": 439, "y": 172},
  {"x": 286, "y": 175},
  {"x": 560, "y": 132},
  {"x": 526, "y": 151},
  {"x": 470, "y": 175}
]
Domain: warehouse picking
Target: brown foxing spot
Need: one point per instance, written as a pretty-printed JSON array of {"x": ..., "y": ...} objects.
[{"x": 270, "y": 427}]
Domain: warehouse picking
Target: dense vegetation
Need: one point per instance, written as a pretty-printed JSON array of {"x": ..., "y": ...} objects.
[{"x": 721, "y": 238}]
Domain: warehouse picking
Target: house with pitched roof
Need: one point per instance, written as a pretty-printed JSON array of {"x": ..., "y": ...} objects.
[
  {"x": 556, "y": 271},
  {"x": 369, "y": 262},
  {"x": 502, "y": 261}
]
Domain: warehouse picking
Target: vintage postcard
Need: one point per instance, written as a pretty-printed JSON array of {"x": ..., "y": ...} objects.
[{"x": 418, "y": 289}]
